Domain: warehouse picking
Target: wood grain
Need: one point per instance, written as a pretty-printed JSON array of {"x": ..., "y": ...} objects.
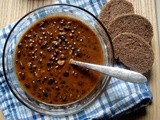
[{"x": 11, "y": 10}]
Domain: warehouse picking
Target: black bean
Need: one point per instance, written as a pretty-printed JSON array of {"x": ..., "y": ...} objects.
[
  {"x": 72, "y": 31},
  {"x": 40, "y": 38},
  {"x": 62, "y": 82},
  {"x": 34, "y": 84},
  {"x": 33, "y": 57},
  {"x": 55, "y": 43},
  {"x": 41, "y": 53},
  {"x": 81, "y": 40},
  {"x": 33, "y": 53},
  {"x": 62, "y": 57},
  {"x": 40, "y": 88},
  {"x": 56, "y": 66},
  {"x": 16, "y": 61},
  {"x": 20, "y": 45},
  {"x": 19, "y": 54},
  {"x": 69, "y": 22},
  {"x": 62, "y": 21},
  {"x": 86, "y": 70},
  {"x": 51, "y": 81},
  {"x": 51, "y": 34},
  {"x": 55, "y": 81},
  {"x": 66, "y": 74},
  {"x": 34, "y": 66},
  {"x": 45, "y": 93},
  {"x": 66, "y": 40},
  {"x": 64, "y": 98},
  {"x": 22, "y": 75},
  {"x": 44, "y": 44},
  {"x": 56, "y": 51},
  {"x": 49, "y": 49},
  {"x": 39, "y": 42},
  {"x": 31, "y": 45},
  {"x": 67, "y": 28},
  {"x": 60, "y": 29},
  {"x": 75, "y": 54},
  {"x": 57, "y": 88},
  {"x": 66, "y": 48},
  {"x": 43, "y": 33},
  {"x": 55, "y": 54},
  {"x": 26, "y": 46},
  {"x": 60, "y": 48},
  {"x": 38, "y": 80},
  {"x": 49, "y": 64},
  {"x": 35, "y": 34},
  {"x": 27, "y": 85},
  {"x": 88, "y": 56},
  {"x": 78, "y": 50},
  {"x": 35, "y": 50},
  {"x": 52, "y": 58},
  {"x": 62, "y": 38},
  {"x": 29, "y": 53},
  {"x": 62, "y": 33},
  {"x": 42, "y": 28},
  {"x": 48, "y": 69},
  {"x": 35, "y": 74},
  {"x": 72, "y": 48},
  {"x": 75, "y": 27},
  {"x": 74, "y": 43},
  {"x": 40, "y": 60},
  {"x": 71, "y": 35},
  {"x": 45, "y": 78},
  {"x": 31, "y": 40},
  {"x": 28, "y": 36},
  {"x": 75, "y": 73},
  {"x": 29, "y": 65},
  {"x": 21, "y": 65}
]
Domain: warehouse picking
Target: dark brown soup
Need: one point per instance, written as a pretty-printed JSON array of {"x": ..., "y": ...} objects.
[{"x": 42, "y": 60}]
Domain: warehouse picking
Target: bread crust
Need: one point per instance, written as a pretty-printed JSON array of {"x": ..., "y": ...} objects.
[
  {"x": 134, "y": 52},
  {"x": 113, "y": 9},
  {"x": 131, "y": 23}
]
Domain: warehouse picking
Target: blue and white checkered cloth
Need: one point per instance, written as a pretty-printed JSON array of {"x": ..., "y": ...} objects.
[{"x": 119, "y": 98}]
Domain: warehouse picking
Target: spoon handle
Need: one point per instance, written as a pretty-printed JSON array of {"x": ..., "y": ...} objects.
[{"x": 120, "y": 73}]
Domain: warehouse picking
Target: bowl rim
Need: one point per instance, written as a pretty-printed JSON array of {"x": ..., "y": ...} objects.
[{"x": 52, "y": 5}]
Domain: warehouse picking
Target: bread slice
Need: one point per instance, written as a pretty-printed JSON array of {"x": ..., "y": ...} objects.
[
  {"x": 113, "y": 9},
  {"x": 131, "y": 23},
  {"x": 133, "y": 51}
]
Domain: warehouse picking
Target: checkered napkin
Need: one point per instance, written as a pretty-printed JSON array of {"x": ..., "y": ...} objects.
[{"x": 119, "y": 97}]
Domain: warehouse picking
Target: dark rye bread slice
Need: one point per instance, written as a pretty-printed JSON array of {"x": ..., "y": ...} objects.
[
  {"x": 134, "y": 52},
  {"x": 131, "y": 23},
  {"x": 113, "y": 9}
]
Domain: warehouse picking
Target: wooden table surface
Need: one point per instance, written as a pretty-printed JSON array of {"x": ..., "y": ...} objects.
[{"x": 11, "y": 10}]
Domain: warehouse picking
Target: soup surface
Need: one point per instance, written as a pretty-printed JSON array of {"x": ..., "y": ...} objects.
[{"x": 42, "y": 60}]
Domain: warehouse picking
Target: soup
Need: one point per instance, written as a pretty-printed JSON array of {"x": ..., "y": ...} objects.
[{"x": 42, "y": 60}]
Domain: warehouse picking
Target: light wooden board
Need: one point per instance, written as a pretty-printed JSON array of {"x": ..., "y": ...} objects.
[{"x": 11, "y": 10}]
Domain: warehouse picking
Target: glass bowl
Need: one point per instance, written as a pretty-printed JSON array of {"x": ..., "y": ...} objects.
[{"x": 13, "y": 40}]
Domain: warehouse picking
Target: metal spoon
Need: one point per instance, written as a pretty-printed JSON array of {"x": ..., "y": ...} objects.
[{"x": 120, "y": 73}]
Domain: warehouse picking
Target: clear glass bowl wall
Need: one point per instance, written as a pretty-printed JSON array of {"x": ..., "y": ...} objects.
[{"x": 14, "y": 37}]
